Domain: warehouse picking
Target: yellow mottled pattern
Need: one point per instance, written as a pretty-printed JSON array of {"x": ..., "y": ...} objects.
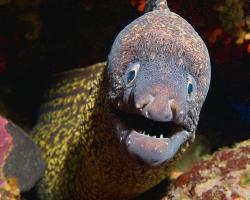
[{"x": 65, "y": 116}]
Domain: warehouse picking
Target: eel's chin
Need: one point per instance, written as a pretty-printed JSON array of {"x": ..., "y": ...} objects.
[{"x": 150, "y": 142}]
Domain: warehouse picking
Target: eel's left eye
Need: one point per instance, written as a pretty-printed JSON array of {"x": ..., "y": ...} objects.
[{"x": 131, "y": 74}]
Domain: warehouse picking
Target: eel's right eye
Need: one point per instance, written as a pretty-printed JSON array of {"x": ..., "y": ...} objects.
[
  {"x": 131, "y": 74},
  {"x": 191, "y": 87}
]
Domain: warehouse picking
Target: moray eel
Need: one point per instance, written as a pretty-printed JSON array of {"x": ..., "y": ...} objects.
[{"x": 113, "y": 132}]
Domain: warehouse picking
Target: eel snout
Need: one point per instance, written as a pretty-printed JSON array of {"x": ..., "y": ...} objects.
[{"x": 156, "y": 108}]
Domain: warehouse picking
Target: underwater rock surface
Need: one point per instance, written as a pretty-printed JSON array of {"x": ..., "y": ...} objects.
[
  {"x": 223, "y": 175},
  {"x": 21, "y": 164},
  {"x": 8, "y": 186}
]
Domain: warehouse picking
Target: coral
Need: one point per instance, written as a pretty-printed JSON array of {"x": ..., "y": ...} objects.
[
  {"x": 139, "y": 4},
  {"x": 223, "y": 175},
  {"x": 233, "y": 19}
]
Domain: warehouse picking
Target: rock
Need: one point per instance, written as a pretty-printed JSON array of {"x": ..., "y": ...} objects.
[
  {"x": 224, "y": 175},
  {"x": 21, "y": 164}
]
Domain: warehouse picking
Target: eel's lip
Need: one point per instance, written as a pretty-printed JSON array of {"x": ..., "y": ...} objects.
[
  {"x": 151, "y": 145},
  {"x": 155, "y": 151}
]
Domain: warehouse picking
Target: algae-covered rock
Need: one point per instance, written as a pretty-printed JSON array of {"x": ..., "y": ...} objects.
[
  {"x": 224, "y": 175},
  {"x": 21, "y": 164},
  {"x": 9, "y": 189}
]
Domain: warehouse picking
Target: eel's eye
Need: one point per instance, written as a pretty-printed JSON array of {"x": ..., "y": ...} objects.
[
  {"x": 131, "y": 74},
  {"x": 191, "y": 87}
]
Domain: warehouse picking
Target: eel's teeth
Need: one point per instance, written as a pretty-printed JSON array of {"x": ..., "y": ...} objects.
[
  {"x": 161, "y": 136},
  {"x": 154, "y": 136}
]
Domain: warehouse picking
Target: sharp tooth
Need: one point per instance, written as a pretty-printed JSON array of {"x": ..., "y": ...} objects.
[
  {"x": 154, "y": 136},
  {"x": 161, "y": 136}
]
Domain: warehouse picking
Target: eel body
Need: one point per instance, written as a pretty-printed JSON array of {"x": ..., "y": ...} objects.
[{"x": 113, "y": 132}]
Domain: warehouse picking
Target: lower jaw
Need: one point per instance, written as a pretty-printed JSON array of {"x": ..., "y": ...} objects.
[{"x": 156, "y": 151}]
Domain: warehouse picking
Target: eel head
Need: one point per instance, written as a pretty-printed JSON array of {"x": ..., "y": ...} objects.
[{"x": 158, "y": 76}]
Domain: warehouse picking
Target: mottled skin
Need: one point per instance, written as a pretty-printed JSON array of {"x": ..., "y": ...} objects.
[{"x": 92, "y": 151}]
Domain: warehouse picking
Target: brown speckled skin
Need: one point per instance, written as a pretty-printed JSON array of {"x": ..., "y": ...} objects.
[
  {"x": 224, "y": 175},
  {"x": 85, "y": 159}
]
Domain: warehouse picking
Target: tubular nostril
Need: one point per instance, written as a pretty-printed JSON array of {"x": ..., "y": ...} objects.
[
  {"x": 142, "y": 102},
  {"x": 179, "y": 116},
  {"x": 173, "y": 109},
  {"x": 137, "y": 106},
  {"x": 140, "y": 108},
  {"x": 147, "y": 115}
]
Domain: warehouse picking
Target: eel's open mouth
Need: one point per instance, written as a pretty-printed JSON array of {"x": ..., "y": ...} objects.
[{"x": 151, "y": 142}]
